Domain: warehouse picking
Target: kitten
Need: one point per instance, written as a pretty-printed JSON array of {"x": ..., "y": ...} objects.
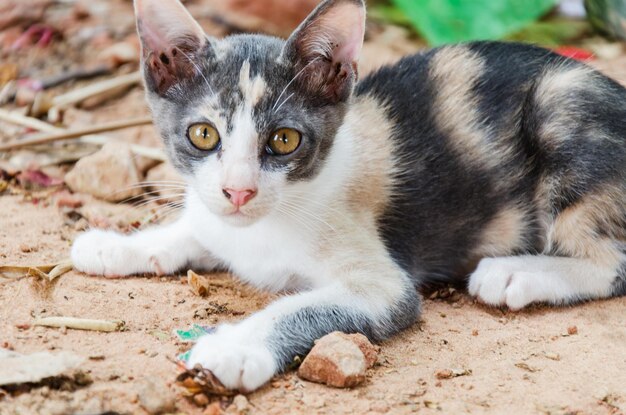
[{"x": 357, "y": 194}]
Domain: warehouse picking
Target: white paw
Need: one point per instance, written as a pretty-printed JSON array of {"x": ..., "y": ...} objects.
[
  {"x": 235, "y": 357},
  {"x": 111, "y": 254},
  {"x": 504, "y": 281}
]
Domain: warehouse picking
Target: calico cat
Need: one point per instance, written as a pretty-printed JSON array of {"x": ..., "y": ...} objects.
[{"x": 500, "y": 164}]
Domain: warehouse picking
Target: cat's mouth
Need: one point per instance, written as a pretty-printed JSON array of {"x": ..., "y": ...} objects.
[{"x": 239, "y": 218}]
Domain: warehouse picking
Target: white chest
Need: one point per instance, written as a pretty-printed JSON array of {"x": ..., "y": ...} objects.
[{"x": 270, "y": 254}]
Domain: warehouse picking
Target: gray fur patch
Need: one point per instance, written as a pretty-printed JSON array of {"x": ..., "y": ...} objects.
[{"x": 295, "y": 334}]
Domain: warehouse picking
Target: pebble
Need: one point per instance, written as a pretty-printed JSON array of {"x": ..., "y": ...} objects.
[
  {"x": 156, "y": 398},
  {"x": 200, "y": 399},
  {"x": 339, "y": 360}
]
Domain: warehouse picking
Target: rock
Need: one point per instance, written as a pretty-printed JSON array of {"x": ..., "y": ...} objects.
[
  {"x": 239, "y": 406},
  {"x": 16, "y": 368},
  {"x": 339, "y": 360},
  {"x": 155, "y": 398},
  {"x": 201, "y": 399},
  {"x": 109, "y": 174}
]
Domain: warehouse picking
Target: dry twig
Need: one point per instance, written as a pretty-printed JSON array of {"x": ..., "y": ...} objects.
[
  {"x": 34, "y": 123},
  {"x": 75, "y": 133},
  {"x": 80, "y": 323}
]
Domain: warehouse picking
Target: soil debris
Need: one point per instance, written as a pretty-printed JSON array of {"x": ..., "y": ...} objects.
[
  {"x": 452, "y": 373},
  {"x": 527, "y": 367}
]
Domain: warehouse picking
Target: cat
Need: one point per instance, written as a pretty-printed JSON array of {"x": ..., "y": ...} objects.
[{"x": 499, "y": 164}]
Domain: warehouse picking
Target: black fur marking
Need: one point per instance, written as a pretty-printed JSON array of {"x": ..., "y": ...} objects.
[{"x": 442, "y": 203}]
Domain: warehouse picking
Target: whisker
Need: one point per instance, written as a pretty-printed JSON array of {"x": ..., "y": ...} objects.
[
  {"x": 302, "y": 210},
  {"x": 290, "y": 82},
  {"x": 285, "y": 101}
]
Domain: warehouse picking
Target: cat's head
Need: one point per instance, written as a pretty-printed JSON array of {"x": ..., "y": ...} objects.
[{"x": 249, "y": 117}]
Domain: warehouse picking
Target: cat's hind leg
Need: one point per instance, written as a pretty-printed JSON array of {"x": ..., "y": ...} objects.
[
  {"x": 521, "y": 280},
  {"x": 584, "y": 258},
  {"x": 159, "y": 250}
]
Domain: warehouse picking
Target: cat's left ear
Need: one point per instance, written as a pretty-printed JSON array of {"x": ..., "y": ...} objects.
[
  {"x": 170, "y": 42},
  {"x": 326, "y": 46}
]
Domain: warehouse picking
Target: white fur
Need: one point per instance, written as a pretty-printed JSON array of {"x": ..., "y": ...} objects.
[{"x": 519, "y": 281}]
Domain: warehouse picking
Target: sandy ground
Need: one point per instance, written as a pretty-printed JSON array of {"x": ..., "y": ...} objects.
[
  {"x": 515, "y": 363},
  {"x": 521, "y": 362}
]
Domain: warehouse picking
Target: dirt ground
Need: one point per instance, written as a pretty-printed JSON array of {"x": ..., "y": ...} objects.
[
  {"x": 521, "y": 362},
  {"x": 529, "y": 362}
]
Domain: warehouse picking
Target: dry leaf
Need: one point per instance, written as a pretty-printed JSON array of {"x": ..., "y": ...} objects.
[
  {"x": 198, "y": 283},
  {"x": 47, "y": 272},
  {"x": 200, "y": 380}
]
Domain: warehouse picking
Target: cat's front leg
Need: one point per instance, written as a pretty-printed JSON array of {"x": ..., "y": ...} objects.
[
  {"x": 160, "y": 250},
  {"x": 247, "y": 354}
]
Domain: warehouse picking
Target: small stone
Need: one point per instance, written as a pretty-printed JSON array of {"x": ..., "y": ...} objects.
[
  {"x": 156, "y": 398},
  {"x": 572, "y": 330},
  {"x": 444, "y": 374},
  {"x": 339, "y": 360},
  {"x": 25, "y": 248},
  {"x": 67, "y": 200},
  {"x": 109, "y": 174},
  {"x": 214, "y": 409},
  {"x": 241, "y": 404},
  {"x": 200, "y": 399}
]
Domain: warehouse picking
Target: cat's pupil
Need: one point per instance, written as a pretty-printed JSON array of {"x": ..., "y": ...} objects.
[
  {"x": 284, "y": 138},
  {"x": 205, "y": 132}
]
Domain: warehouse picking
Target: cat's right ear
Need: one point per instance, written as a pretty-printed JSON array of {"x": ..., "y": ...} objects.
[{"x": 170, "y": 42}]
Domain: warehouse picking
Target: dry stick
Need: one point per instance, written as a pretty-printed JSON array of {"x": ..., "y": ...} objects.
[
  {"x": 79, "y": 95},
  {"x": 80, "y": 323},
  {"x": 79, "y": 132},
  {"x": 35, "y": 124}
]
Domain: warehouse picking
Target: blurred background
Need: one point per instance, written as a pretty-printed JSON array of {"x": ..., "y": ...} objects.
[{"x": 73, "y": 121}]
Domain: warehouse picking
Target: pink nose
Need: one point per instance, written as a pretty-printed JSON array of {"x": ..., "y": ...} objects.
[{"x": 239, "y": 197}]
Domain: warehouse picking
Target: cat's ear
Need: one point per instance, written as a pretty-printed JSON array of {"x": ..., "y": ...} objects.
[
  {"x": 170, "y": 42},
  {"x": 326, "y": 46}
]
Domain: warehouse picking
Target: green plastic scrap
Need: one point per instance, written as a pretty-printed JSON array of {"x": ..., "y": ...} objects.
[{"x": 191, "y": 336}]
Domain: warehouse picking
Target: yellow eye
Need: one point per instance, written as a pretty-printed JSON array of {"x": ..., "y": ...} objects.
[
  {"x": 203, "y": 136},
  {"x": 284, "y": 141}
]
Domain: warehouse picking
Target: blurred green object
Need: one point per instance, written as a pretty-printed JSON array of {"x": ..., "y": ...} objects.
[
  {"x": 448, "y": 21},
  {"x": 608, "y": 16},
  {"x": 553, "y": 32}
]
